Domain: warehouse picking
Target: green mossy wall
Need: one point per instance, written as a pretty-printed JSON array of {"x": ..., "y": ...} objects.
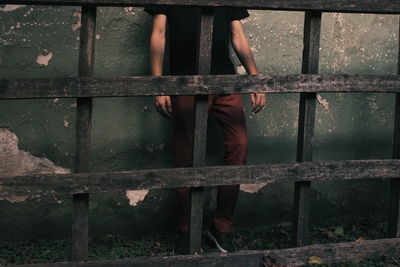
[{"x": 129, "y": 134}]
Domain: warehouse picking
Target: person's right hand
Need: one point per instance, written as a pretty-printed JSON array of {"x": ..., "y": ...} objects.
[{"x": 163, "y": 105}]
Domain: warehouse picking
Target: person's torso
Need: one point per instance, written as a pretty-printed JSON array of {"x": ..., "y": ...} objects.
[{"x": 183, "y": 37}]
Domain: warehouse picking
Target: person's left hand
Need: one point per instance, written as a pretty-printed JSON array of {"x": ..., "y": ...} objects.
[{"x": 257, "y": 102}]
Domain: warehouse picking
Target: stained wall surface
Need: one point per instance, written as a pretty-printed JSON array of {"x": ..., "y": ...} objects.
[{"x": 40, "y": 41}]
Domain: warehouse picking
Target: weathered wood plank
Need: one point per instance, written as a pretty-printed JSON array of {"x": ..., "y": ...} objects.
[
  {"x": 80, "y": 220},
  {"x": 396, "y": 135},
  {"x": 49, "y": 184},
  {"x": 189, "y": 85},
  {"x": 300, "y": 212},
  {"x": 335, "y": 253},
  {"x": 394, "y": 209},
  {"x": 80, "y": 227},
  {"x": 365, "y": 6},
  {"x": 329, "y": 253},
  {"x": 204, "y": 41},
  {"x": 196, "y": 219},
  {"x": 305, "y": 140},
  {"x": 205, "y": 37}
]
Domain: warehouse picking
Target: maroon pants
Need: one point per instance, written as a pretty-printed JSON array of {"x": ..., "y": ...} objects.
[{"x": 228, "y": 110}]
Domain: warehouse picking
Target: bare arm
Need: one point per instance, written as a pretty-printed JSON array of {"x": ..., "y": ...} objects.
[
  {"x": 157, "y": 44},
  {"x": 242, "y": 48},
  {"x": 157, "y": 50}
]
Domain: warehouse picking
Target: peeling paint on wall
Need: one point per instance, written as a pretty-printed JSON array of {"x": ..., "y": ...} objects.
[
  {"x": 130, "y": 129},
  {"x": 135, "y": 196},
  {"x": 8, "y": 8},
  {"x": 339, "y": 43},
  {"x": 15, "y": 162},
  {"x": 373, "y": 105},
  {"x": 44, "y": 59},
  {"x": 28, "y": 12},
  {"x": 129, "y": 10},
  {"x": 323, "y": 102},
  {"x": 252, "y": 188},
  {"x": 240, "y": 70},
  {"x": 78, "y": 24}
]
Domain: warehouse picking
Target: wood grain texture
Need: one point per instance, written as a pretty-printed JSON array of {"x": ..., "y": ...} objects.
[
  {"x": 301, "y": 213},
  {"x": 204, "y": 41},
  {"x": 189, "y": 85},
  {"x": 196, "y": 219},
  {"x": 394, "y": 208},
  {"x": 50, "y": 184},
  {"x": 335, "y": 253},
  {"x": 364, "y": 6},
  {"x": 305, "y": 137},
  {"x": 330, "y": 253},
  {"x": 80, "y": 227},
  {"x": 396, "y": 135},
  {"x": 311, "y": 41}
]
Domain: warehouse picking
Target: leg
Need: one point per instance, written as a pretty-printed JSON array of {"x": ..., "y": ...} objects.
[
  {"x": 183, "y": 111},
  {"x": 228, "y": 109}
]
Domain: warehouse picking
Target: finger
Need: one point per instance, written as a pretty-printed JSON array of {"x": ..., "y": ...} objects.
[
  {"x": 252, "y": 99},
  {"x": 157, "y": 103},
  {"x": 258, "y": 103},
  {"x": 169, "y": 106},
  {"x": 263, "y": 101},
  {"x": 255, "y": 103},
  {"x": 255, "y": 108},
  {"x": 164, "y": 110}
]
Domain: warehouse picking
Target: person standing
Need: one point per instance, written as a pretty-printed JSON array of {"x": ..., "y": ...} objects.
[{"x": 227, "y": 108}]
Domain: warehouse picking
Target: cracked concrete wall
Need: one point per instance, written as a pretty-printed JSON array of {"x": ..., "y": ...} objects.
[
  {"x": 39, "y": 41},
  {"x": 15, "y": 162}
]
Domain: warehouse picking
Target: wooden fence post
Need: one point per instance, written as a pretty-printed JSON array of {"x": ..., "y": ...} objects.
[
  {"x": 200, "y": 128},
  {"x": 79, "y": 247},
  {"x": 301, "y": 206},
  {"x": 394, "y": 218}
]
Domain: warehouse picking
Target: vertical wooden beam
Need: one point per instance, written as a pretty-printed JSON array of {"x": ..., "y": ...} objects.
[
  {"x": 200, "y": 128},
  {"x": 79, "y": 247},
  {"x": 301, "y": 206},
  {"x": 394, "y": 218}
]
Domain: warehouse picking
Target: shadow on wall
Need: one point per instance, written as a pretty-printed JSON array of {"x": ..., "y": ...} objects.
[{"x": 128, "y": 134}]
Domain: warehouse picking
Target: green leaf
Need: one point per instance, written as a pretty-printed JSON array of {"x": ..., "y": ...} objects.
[{"x": 315, "y": 260}]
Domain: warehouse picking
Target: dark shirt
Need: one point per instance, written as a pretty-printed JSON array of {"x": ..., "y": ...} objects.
[{"x": 183, "y": 25}]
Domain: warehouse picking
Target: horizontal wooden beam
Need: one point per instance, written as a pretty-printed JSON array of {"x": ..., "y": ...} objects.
[
  {"x": 187, "y": 85},
  {"x": 360, "y": 6},
  {"x": 51, "y": 184},
  {"x": 329, "y": 253}
]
